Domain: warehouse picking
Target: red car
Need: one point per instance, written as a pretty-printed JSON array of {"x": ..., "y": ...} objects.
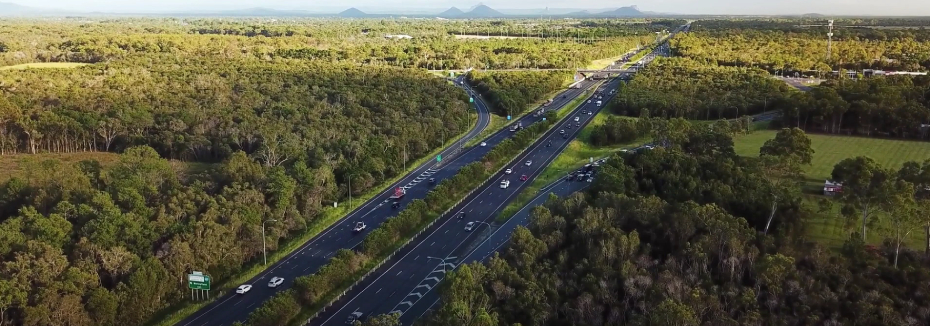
[{"x": 523, "y": 177}]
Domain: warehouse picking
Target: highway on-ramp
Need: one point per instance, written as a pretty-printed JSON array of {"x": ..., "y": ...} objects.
[
  {"x": 406, "y": 279},
  {"x": 311, "y": 256}
]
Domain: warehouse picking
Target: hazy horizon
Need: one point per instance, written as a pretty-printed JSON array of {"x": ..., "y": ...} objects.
[{"x": 720, "y": 7}]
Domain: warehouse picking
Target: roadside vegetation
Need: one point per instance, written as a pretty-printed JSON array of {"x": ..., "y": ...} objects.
[
  {"x": 579, "y": 152},
  {"x": 311, "y": 293},
  {"x": 723, "y": 226},
  {"x": 164, "y": 144},
  {"x": 511, "y": 93}
]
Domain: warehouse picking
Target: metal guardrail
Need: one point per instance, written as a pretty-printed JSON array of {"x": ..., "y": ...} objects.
[{"x": 438, "y": 218}]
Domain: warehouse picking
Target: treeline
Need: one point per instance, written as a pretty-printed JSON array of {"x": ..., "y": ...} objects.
[
  {"x": 893, "y": 106},
  {"x": 351, "y": 119},
  {"x": 680, "y": 236},
  {"x": 789, "y": 50},
  {"x": 684, "y": 88},
  {"x": 510, "y": 93},
  {"x": 617, "y": 130},
  {"x": 350, "y": 41},
  {"x": 448, "y": 53},
  {"x": 313, "y": 291},
  {"x": 546, "y": 28}
]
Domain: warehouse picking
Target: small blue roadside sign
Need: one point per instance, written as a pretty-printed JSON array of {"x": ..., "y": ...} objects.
[{"x": 508, "y": 117}]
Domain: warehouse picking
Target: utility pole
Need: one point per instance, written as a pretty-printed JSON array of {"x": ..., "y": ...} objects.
[{"x": 829, "y": 39}]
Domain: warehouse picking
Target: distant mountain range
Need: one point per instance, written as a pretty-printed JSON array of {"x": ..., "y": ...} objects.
[{"x": 479, "y": 11}]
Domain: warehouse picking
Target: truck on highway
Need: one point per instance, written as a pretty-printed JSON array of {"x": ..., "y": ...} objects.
[
  {"x": 505, "y": 184},
  {"x": 399, "y": 193},
  {"x": 598, "y": 103}
]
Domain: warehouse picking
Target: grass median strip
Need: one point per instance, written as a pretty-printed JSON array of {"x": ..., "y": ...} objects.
[
  {"x": 316, "y": 291},
  {"x": 578, "y": 152}
]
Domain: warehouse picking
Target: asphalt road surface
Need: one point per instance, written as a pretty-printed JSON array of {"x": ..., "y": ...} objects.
[
  {"x": 315, "y": 253},
  {"x": 403, "y": 281},
  {"x": 494, "y": 242}
]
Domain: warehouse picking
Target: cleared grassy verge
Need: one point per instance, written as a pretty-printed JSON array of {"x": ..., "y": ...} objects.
[
  {"x": 575, "y": 155},
  {"x": 330, "y": 215},
  {"x": 831, "y": 228},
  {"x": 602, "y": 63},
  {"x": 45, "y": 65},
  {"x": 496, "y": 124}
]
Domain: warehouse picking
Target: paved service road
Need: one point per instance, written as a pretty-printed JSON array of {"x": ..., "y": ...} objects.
[
  {"x": 403, "y": 281},
  {"x": 316, "y": 252}
]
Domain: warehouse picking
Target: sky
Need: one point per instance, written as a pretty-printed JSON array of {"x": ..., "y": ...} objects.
[{"x": 734, "y": 7}]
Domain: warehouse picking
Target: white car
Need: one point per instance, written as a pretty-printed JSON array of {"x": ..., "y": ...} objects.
[
  {"x": 589, "y": 101},
  {"x": 508, "y": 171},
  {"x": 577, "y": 119},
  {"x": 528, "y": 163},
  {"x": 275, "y": 281},
  {"x": 470, "y": 226},
  {"x": 242, "y": 289},
  {"x": 483, "y": 144}
]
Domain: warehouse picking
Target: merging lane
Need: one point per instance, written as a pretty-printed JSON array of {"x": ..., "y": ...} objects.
[
  {"x": 404, "y": 281},
  {"x": 315, "y": 253}
]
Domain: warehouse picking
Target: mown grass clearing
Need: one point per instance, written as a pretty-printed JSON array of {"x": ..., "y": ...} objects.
[
  {"x": 603, "y": 63},
  {"x": 829, "y": 150},
  {"x": 829, "y": 227},
  {"x": 44, "y": 65}
]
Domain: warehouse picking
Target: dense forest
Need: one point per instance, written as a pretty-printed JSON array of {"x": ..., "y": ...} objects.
[
  {"x": 81, "y": 242},
  {"x": 694, "y": 235},
  {"x": 795, "y": 47},
  {"x": 434, "y": 45},
  {"x": 684, "y": 88},
  {"x": 285, "y": 120},
  {"x": 510, "y": 93},
  {"x": 893, "y": 106},
  {"x": 890, "y": 106}
]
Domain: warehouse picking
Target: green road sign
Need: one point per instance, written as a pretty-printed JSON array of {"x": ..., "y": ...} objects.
[
  {"x": 471, "y": 100},
  {"x": 198, "y": 281},
  {"x": 439, "y": 158}
]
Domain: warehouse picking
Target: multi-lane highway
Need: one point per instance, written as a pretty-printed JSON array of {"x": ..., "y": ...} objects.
[
  {"x": 404, "y": 281},
  {"x": 317, "y": 252}
]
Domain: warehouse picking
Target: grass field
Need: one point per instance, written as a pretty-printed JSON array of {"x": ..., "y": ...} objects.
[
  {"x": 14, "y": 165},
  {"x": 603, "y": 63},
  {"x": 831, "y": 228},
  {"x": 829, "y": 150},
  {"x": 59, "y": 65}
]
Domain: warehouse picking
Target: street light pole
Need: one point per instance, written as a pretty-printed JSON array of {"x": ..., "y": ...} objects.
[{"x": 264, "y": 255}]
